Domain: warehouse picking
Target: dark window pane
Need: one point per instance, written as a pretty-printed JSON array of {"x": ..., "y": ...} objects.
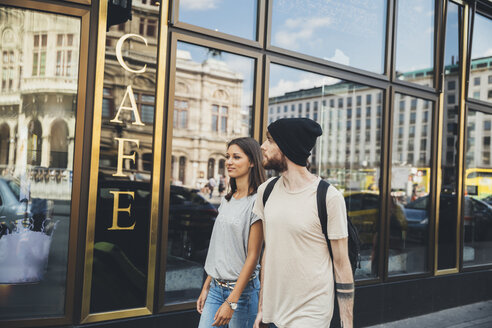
[
  {"x": 121, "y": 243},
  {"x": 410, "y": 187},
  {"x": 448, "y": 218},
  {"x": 477, "y": 229}
]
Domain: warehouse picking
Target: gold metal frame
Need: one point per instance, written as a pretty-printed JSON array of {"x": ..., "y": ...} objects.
[
  {"x": 84, "y": 15},
  {"x": 82, "y": 2},
  {"x": 86, "y": 316},
  {"x": 169, "y": 138},
  {"x": 461, "y": 149}
]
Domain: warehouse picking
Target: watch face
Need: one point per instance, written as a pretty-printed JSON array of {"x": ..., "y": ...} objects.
[{"x": 233, "y": 305}]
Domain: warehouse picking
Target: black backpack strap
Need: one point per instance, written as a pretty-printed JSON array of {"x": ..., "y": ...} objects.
[
  {"x": 322, "y": 211},
  {"x": 268, "y": 190}
]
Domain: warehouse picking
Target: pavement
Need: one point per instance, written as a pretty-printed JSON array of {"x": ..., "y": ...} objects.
[{"x": 476, "y": 315}]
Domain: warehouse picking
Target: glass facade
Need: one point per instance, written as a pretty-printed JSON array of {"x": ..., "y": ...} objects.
[
  {"x": 404, "y": 103},
  {"x": 477, "y": 213},
  {"x": 348, "y": 33},
  {"x": 410, "y": 185},
  {"x": 237, "y": 18},
  {"x": 120, "y": 258},
  {"x": 213, "y": 96},
  {"x": 38, "y": 96},
  {"x": 415, "y": 41},
  {"x": 348, "y": 154},
  {"x": 480, "y": 86},
  {"x": 448, "y": 207}
]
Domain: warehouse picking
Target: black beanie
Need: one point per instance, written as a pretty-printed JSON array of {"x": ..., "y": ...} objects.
[{"x": 295, "y": 137}]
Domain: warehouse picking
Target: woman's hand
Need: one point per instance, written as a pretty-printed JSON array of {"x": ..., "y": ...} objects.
[
  {"x": 223, "y": 315},
  {"x": 200, "y": 303}
]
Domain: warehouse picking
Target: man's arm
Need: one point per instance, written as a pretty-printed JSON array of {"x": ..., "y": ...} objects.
[
  {"x": 344, "y": 281},
  {"x": 259, "y": 317}
]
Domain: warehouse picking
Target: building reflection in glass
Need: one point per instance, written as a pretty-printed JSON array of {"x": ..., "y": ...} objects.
[
  {"x": 480, "y": 83},
  {"x": 448, "y": 213},
  {"x": 410, "y": 184},
  {"x": 121, "y": 240},
  {"x": 477, "y": 219},
  {"x": 347, "y": 155},
  {"x": 39, "y": 56},
  {"x": 213, "y": 97}
]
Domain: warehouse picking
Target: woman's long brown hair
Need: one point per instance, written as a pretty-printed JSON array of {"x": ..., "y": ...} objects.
[{"x": 256, "y": 176}]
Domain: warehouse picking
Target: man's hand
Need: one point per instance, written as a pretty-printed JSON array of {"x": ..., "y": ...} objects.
[
  {"x": 223, "y": 315},
  {"x": 259, "y": 321},
  {"x": 200, "y": 302}
]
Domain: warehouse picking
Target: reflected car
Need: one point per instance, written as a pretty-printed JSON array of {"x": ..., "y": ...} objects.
[
  {"x": 124, "y": 253},
  {"x": 191, "y": 219},
  {"x": 488, "y": 200},
  {"x": 12, "y": 209},
  {"x": 478, "y": 216},
  {"x": 363, "y": 211}
]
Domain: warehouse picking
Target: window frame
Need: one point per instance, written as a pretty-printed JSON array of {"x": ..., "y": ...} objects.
[{"x": 82, "y": 146}]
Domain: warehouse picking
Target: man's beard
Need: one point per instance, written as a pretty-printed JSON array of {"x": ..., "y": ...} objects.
[{"x": 277, "y": 164}]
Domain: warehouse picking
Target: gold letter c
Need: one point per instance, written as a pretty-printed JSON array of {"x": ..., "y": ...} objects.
[{"x": 119, "y": 44}]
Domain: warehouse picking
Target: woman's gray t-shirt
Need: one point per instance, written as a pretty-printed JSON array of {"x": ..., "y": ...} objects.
[{"x": 229, "y": 242}]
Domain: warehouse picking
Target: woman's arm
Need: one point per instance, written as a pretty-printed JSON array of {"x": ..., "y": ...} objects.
[
  {"x": 203, "y": 295},
  {"x": 255, "y": 241}
]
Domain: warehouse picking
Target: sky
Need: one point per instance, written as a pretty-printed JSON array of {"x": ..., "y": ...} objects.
[
  {"x": 452, "y": 35},
  {"x": 346, "y": 32},
  {"x": 482, "y": 37},
  {"x": 415, "y": 35}
]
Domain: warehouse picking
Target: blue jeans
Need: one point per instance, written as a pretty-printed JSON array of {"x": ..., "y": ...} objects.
[{"x": 247, "y": 306}]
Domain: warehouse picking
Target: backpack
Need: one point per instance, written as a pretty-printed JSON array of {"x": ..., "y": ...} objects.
[{"x": 354, "y": 242}]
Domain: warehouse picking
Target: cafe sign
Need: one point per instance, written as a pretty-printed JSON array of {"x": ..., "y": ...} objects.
[{"x": 129, "y": 94}]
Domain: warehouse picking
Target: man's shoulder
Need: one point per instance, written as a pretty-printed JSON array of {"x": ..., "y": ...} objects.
[
  {"x": 263, "y": 186},
  {"x": 333, "y": 193}
]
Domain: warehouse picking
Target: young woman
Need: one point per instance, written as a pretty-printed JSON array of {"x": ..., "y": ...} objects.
[{"x": 230, "y": 292}]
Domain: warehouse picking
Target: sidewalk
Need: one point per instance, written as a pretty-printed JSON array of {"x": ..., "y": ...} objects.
[{"x": 477, "y": 315}]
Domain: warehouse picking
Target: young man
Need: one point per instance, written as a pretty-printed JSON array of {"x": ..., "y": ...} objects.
[{"x": 297, "y": 287}]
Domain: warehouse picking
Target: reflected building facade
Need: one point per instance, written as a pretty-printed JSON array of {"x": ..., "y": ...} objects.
[
  {"x": 38, "y": 100},
  {"x": 207, "y": 109},
  {"x": 352, "y": 124},
  {"x": 207, "y": 115}
]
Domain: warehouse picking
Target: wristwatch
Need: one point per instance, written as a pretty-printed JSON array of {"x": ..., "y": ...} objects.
[{"x": 232, "y": 305}]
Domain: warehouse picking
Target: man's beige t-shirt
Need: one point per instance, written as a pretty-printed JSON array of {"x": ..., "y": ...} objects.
[{"x": 298, "y": 275}]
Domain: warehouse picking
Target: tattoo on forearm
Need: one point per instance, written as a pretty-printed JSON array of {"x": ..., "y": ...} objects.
[
  {"x": 346, "y": 305},
  {"x": 340, "y": 286}
]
